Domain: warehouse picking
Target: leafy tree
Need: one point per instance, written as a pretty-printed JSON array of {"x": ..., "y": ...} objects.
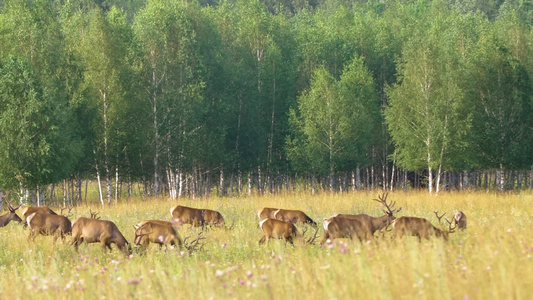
[
  {"x": 35, "y": 149},
  {"x": 501, "y": 94},
  {"x": 427, "y": 116},
  {"x": 334, "y": 121}
]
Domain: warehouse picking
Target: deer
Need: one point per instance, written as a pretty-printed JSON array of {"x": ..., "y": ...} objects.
[
  {"x": 459, "y": 220},
  {"x": 27, "y": 211},
  {"x": 374, "y": 224},
  {"x": 11, "y": 215},
  {"x": 90, "y": 230},
  {"x": 213, "y": 217},
  {"x": 266, "y": 212},
  {"x": 420, "y": 227},
  {"x": 293, "y": 216},
  {"x": 277, "y": 229},
  {"x": 48, "y": 224},
  {"x": 157, "y": 232},
  {"x": 188, "y": 215},
  {"x": 340, "y": 227}
]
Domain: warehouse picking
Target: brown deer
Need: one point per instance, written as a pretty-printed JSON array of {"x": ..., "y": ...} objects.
[
  {"x": 188, "y": 215},
  {"x": 459, "y": 220},
  {"x": 420, "y": 228},
  {"x": 293, "y": 216},
  {"x": 11, "y": 215},
  {"x": 157, "y": 232},
  {"x": 266, "y": 212},
  {"x": 27, "y": 211},
  {"x": 91, "y": 230},
  {"x": 48, "y": 224},
  {"x": 277, "y": 229},
  {"x": 213, "y": 217},
  {"x": 374, "y": 224},
  {"x": 340, "y": 227}
]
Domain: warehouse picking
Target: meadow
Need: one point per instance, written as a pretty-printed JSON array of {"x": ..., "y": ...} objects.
[{"x": 490, "y": 260}]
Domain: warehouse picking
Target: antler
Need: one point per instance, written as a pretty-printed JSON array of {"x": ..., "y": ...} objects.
[
  {"x": 193, "y": 245},
  {"x": 312, "y": 239},
  {"x": 94, "y": 215},
  {"x": 231, "y": 226},
  {"x": 450, "y": 228},
  {"x": 68, "y": 212},
  {"x": 10, "y": 208},
  {"x": 383, "y": 200},
  {"x": 437, "y": 215}
]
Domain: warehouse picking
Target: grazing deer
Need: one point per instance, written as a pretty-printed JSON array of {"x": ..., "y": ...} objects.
[
  {"x": 157, "y": 232},
  {"x": 374, "y": 224},
  {"x": 213, "y": 217},
  {"x": 419, "y": 227},
  {"x": 47, "y": 224},
  {"x": 188, "y": 215},
  {"x": 277, "y": 229},
  {"x": 11, "y": 215},
  {"x": 27, "y": 211},
  {"x": 340, "y": 227},
  {"x": 459, "y": 220},
  {"x": 293, "y": 216},
  {"x": 266, "y": 212},
  {"x": 90, "y": 230}
]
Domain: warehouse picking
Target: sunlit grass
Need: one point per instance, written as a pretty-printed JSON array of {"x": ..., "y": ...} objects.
[{"x": 491, "y": 260}]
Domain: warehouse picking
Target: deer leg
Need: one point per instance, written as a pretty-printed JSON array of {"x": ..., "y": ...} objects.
[
  {"x": 326, "y": 237},
  {"x": 262, "y": 240}
]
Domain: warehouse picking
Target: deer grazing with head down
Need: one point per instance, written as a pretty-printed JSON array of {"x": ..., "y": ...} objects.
[
  {"x": 187, "y": 215},
  {"x": 48, "y": 224},
  {"x": 276, "y": 229},
  {"x": 293, "y": 216},
  {"x": 157, "y": 232},
  {"x": 459, "y": 220},
  {"x": 420, "y": 228},
  {"x": 11, "y": 215},
  {"x": 213, "y": 218},
  {"x": 90, "y": 230}
]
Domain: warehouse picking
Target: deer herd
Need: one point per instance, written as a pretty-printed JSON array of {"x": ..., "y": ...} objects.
[{"x": 274, "y": 223}]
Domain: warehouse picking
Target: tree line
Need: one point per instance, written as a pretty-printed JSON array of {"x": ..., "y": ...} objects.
[{"x": 189, "y": 98}]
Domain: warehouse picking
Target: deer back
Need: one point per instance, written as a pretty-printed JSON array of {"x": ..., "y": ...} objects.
[
  {"x": 155, "y": 231},
  {"x": 48, "y": 224},
  {"x": 213, "y": 217},
  {"x": 188, "y": 215},
  {"x": 27, "y": 211},
  {"x": 266, "y": 212},
  {"x": 95, "y": 230},
  {"x": 293, "y": 216},
  {"x": 417, "y": 227},
  {"x": 273, "y": 228},
  {"x": 341, "y": 227}
]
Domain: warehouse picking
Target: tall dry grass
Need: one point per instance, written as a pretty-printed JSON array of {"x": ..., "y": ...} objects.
[{"x": 491, "y": 260}]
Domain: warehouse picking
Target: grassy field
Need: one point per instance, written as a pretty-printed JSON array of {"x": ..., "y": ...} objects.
[{"x": 491, "y": 260}]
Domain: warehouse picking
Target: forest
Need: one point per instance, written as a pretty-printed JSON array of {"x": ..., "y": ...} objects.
[{"x": 192, "y": 98}]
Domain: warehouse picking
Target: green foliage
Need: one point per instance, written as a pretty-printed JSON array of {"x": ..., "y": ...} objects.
[{"x": 334, "y": 121}]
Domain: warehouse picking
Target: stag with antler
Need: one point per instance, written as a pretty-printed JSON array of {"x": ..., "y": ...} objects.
[
  {"x": 373, "y": 224},
  {"x": 11, "y": 215},
  {"x": 420, "y": 227}
]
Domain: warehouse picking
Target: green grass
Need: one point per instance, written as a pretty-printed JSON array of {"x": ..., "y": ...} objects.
[{"x": 491, "y": 260}]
